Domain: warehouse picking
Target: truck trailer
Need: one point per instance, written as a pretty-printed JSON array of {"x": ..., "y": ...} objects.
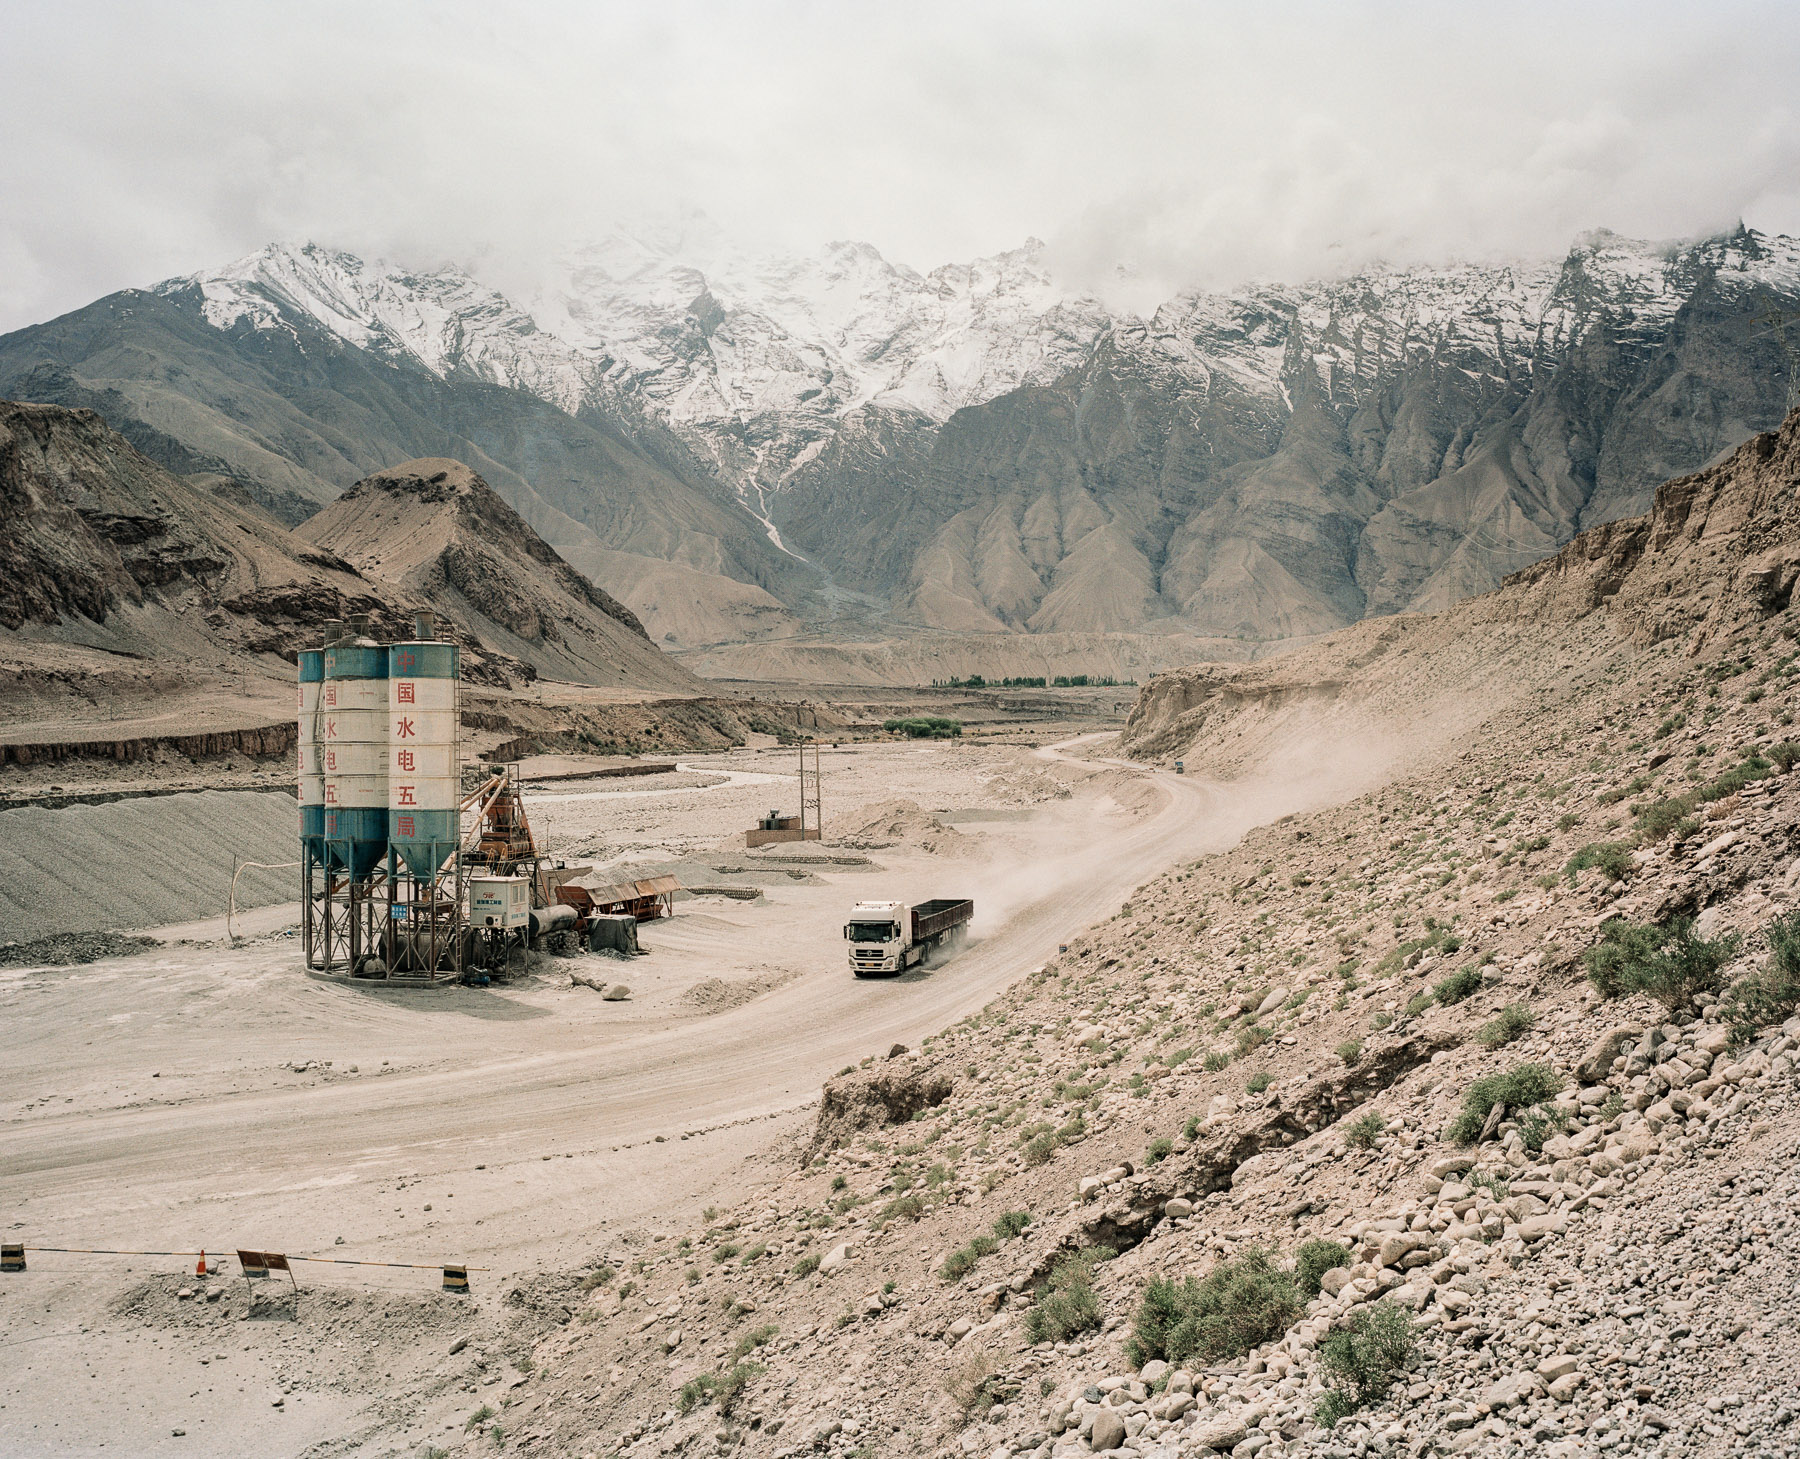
[{"x": 890, "y": 937}]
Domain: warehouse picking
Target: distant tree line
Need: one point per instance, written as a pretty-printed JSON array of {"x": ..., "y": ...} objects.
[
  {"x": 925, "y": 727},
  {"x": 1061, "y": 681}
]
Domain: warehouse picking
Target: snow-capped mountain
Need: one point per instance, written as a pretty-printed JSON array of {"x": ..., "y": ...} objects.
[{"x": 985, "y": 449}]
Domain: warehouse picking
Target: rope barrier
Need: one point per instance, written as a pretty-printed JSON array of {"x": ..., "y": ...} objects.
[{"x": 416, "y": 1266}]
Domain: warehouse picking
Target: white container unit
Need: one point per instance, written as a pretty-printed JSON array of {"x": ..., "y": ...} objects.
[{"x": 501, "y": 902}]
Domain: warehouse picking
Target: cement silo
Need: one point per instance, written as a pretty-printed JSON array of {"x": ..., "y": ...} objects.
[
  {"x": 424, "y": 773},
  {"x": 354, "y": 749},
  {"x": 312, "y": 765}
]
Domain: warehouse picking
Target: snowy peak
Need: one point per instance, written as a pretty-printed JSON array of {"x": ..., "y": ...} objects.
[
  {"x": 442, "y": 320},
  {"x": 757, "y": 358}
]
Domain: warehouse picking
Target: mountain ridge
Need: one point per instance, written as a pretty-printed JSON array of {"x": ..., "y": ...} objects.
[{"x": 741, "y": 439}]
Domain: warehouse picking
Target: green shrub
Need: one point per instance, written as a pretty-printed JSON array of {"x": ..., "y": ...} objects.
[
  {"x": 806, "y": 1266},
  {"x": 962, "y": 1261},
  {"x": 600, "y": 1276},
  {"x": 907, "y": 1207},
  {"x": 1511, "y": 1022},
  {"x": 1768, "y": 995},
  {"x": 1009, "y": 1224},
  {"x": 1669, "y": 962},
  {"x": 721, "y": 1389},
  {"x": 1417, "y": 1004},
  {"x": 1258, "y": 1082},
  {"x": 1213, "y": 1063},
  {"x": 1461, "y": 984},
  {"x": 1518, "y": 1089},
  {"x": 1364, "y": 1132},
  {"x": 1784, "y": 754},
  {"x": 1363, "y": 1359},
  {"x": 1612, "y": 857},
  {"x": 1350, "y": 1051},
  {"x": 1753, "y": 767},
  {"x": 754, "y": 1339},
  {"x": 1251, "y": 1038},
  {"x": 1039, "y": 1148},
  {"x": 1313, "y": 1260},
  {"x": 1238, "y": 1306},
  {"x": 1068, "y": 1304},
  {"x": 1662, "y": 818},
  {"x": 1160, "y": 1149}
]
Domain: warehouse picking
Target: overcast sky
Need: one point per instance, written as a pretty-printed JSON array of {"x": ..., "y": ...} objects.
[{"x": 1191, "y": 143}]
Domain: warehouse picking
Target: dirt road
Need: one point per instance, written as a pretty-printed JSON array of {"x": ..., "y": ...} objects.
[{"x": 151, "y": 1103}]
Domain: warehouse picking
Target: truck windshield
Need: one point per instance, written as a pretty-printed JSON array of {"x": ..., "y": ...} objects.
[{"x": 872, "y": 931}]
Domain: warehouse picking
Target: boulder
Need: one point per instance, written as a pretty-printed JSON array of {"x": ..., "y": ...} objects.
[
  {"x": 1597, "y": 1062},
  {"x": 1108, "y": 1431}
]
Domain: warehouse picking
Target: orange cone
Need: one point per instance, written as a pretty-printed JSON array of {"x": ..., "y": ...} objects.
[{"x": 200, "y": 1266}]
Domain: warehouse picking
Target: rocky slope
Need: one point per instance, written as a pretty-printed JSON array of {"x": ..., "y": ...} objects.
[
  {"x": 122, "y": 582},
  {"x": 1454, "y": 1030},
  {"x": 438, "y": 532}
]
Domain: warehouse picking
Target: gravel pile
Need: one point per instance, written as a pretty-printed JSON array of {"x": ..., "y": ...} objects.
[
  {"x": 65, "y": 949},
  {"x": 141, "y": 863}
]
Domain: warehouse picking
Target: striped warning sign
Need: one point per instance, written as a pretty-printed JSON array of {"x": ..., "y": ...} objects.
[
  {"x": 456, "y": 1279},
  {"x": 12, "y": 1258}
]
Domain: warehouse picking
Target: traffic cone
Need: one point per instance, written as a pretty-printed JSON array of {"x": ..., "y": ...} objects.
[{"x": 200, "y": 1266}]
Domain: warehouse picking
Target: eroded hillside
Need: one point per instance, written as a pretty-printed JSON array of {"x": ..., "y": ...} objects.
[{"x": 1460, "y": 1117}]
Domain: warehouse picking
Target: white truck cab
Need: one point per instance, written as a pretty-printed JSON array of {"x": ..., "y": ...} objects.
[{"x": 889, "y": 937}]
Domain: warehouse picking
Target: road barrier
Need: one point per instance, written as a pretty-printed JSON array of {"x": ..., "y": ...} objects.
[{"x": 256, "y": 1265}]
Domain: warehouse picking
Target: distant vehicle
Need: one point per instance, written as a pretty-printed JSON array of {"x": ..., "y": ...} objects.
[
  {"x": 1180, "y": 769},
  {"x": 890, "y": 937}
]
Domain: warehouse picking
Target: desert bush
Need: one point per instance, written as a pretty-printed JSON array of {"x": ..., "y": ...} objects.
[
  {"x": 1784, "y": 754},
  {"x": 1009, "y": 1224},
  {"x": 1160, "y": 1149},
  {"x": 754, "y": 1339},
  {"x": 1612, "y": 857},
  {"x": 719, "y": 1389},
  {"x": 1215, "y": 1062},
  {"x": 1237, "y": 1306},
  {"x": 1068, "y": 1304},
  {"x": 1258, "y": 1081},
  {"x": 1662, "y": 818},
  {"x": 1461, "y": 984},
  {"x": 1511, "y": 1022},
  {"x": 962, "y": 1261},
  {"x": 1313, "y": 1260},
  {"x": 1363, "y": 1359},
  {"x": 1364, "y": 1132},
  {"x": 600, "y": 1276},
  {"x": 806, "y": 1266},
  {"x": 1039, "y": 1148},
  {"x": 1768, "y": 995},
  {"x": 966, "y": 1381},
  {"x": 1251, "y": 1038},
  {"x": 1670, "y": 963},
  {"x": 1519, "y": 1088},
  {"x": 1350, "y": 1051}
]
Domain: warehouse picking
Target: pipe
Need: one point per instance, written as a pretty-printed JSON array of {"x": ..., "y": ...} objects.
[{"x": 552, "y": 919}]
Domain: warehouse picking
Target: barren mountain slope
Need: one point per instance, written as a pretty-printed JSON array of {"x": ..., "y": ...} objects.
[
  {"x": 126, "y": 587},
  {"x": 1717, "y": 549},
  {"x": 1593, "y": 1252},
  {"x": 296, "y": 413},
  {"x": 437, "y": 531}
]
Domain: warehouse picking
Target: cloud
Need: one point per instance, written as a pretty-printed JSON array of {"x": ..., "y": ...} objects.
[{"x": 1187, "y": 143}]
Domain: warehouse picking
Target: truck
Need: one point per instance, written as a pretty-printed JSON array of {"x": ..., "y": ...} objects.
[{"x": 890, "y": 937}]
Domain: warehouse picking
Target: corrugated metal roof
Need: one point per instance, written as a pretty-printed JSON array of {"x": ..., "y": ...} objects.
[{"x": 626, "y": 891}]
